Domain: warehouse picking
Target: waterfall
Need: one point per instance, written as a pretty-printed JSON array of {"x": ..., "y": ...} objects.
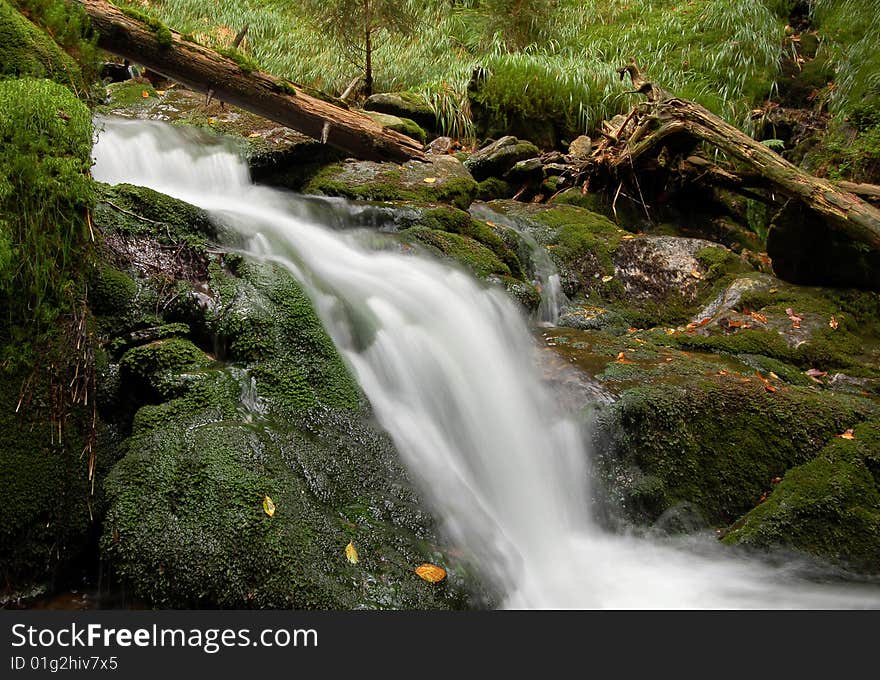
[{"x": 448, "y": 366}]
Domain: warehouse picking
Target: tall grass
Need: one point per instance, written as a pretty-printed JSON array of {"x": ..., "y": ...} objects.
[{"x": 722, "y": 53}]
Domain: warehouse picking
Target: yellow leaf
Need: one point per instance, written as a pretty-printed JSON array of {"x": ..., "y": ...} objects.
[
  {"x": 145, "y": 94},
  {"x": 627, "y": 237},
  {"x": 431, "y": 573},
  {"x": 254, "y": 134},
  {"x": 351, "y": 553},
  {"x": 161, "y": 93},
  {"x": 429, "y": 180},
  {"x": 833, "y": 323},
  {"x": 696, "y": 274},
  {"x": 846, "y": 435},
  {"x": 268, "y": 506},
  {"x": 211, "y": 121},
  {"x": 606, "y": 279}
]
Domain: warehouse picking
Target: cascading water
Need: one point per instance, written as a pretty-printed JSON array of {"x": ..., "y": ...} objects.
[{"x": 447, "y": 365}]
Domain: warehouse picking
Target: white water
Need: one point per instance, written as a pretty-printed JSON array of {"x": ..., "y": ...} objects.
[{"x": 447, "y": 365}]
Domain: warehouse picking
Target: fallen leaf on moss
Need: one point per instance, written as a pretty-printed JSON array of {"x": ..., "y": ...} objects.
[
  {"x": 758, "y": 317},
  {"x": 621, "y": 359},
  {"x": 145, "y": 94},
  {"x": 351, "y": 553},
  {"x": 431, "y": 573},
  {"x": 833, "y": 323},
  {"x": 429, "y": 180},
  {"x": 846, "y": 435},
  {"x": 268, "y": 506},
  {"x": 697, "y": 275}
]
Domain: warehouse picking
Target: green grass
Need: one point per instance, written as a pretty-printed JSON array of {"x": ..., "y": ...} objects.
[{"x": 723, "y": 53}]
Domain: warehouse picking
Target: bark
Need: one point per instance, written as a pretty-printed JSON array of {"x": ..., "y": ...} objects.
[
  {"x": 665, "y": 116},
  {"x": 206, "y": 70}
]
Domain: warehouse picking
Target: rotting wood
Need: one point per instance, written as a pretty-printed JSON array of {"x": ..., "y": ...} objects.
[
  {"x": 206, "y": 70},
  {"x": 664, "y": 116}
]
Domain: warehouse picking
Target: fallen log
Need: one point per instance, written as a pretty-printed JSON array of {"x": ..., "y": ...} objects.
[
  {"x": 665, "y": 115},
  {"x": 206, "y": 70}
]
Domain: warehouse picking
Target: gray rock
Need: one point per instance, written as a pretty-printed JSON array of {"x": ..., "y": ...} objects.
[
  {"x": 581, "y": 148},
  {"x": 650, "y": 267},
  {"x": 730, "y": 296},
  {"x": 400, "y": 124}
]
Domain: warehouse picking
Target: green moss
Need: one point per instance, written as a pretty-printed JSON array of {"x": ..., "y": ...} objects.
[
  {"x": 403, "y": 125},
  {"x": 25, "y": 50},
  {"x": 153, "y": 369},
  {"x": 717, "y": 442},
  {"x": 129, "y": 93},
  {"x": 387, "y": 183},
  {"x": 448, "y": 219},
  {"x": 186, "y": 525},
  {"x": 718, "y": 262},
  {"x": 246, "y": 63},
  {"x": 494, "y": 188},
  {"x": 149, "y": 213},
  {"x": 472, "y": 254},
  {"x": 46, "y": 514},
  {"x": 828, "y": 507},
  {"x": 45, "y": 154},
  {"x": 163, "y": 33},
  {"x": 112, "y": 292}
]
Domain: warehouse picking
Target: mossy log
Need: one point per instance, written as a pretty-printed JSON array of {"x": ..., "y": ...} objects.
[
  {"x": 233, "y": 81},
  {"x": 664, "y": 116}
]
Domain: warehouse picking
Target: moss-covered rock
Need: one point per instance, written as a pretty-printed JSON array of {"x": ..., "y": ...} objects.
[
  {"x": 497, "y": 158},
  {"x": 442, "y": 180},
  {"x": 828, "y": 507},
  {"x": 25, "y": 50},
  {"x": 153, "y": 370},
  {"x": 403, "y": 105},
  {"x": 138, "y": 211},
  {"x": 715, "y": 442},
  {"x": 469, "y": 252},
  {"x": 402, "y": 125},
  {"x": 187, "y": 525}
]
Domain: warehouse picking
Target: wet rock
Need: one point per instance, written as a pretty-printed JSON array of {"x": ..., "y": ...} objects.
[
  {"x": 828, "y": 507},
  {"x": 731, "y": 296},
  {"x": 500, "y": 156}
]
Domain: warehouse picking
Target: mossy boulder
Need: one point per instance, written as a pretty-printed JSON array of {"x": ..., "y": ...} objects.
[
  {"x": 403, "y": 105},
  {"x": 26, "y": 50},
  {"x": 154, "y": 370},
  {"x": 497, "y": 158},
  {"x": 49, "y": 509},
  {"x": 130, "y": 210},
  {"x": 471, "y": 253},
  {"x": 442, "y": 180},
  {"x": 188, "y": 525},
  {"x": 828, "y": 507},
  {"x": 714, "y": 442},
  {"x": 402, "y": 125}
]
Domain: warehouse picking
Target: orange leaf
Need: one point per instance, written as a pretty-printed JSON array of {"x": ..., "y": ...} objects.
[
  {"x": 769, "y": 387},
  {"x": 722, "y": 372},
  {"x": 696, "y": 274},
  {"x": 621, "y": 359},
  {"x": 758, "y": 317},
  {"x": 846, "y": 435},
  {"x": 833, "y": 323},
  {"x": 145, "y": 94},
  {"x": 431, "y": 573}
]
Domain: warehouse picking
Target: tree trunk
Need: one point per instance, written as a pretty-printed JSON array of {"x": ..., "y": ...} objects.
[
  {"x": 665, "y": 116},
  {"x": 205, "y": 70}
]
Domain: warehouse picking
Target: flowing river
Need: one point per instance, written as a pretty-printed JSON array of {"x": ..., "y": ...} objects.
[{"x": 448, "y": 366}]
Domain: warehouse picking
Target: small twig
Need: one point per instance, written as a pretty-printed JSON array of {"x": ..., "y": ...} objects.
[
  {"x": 131, "y": 214},
  {"x": 241, "y": 34}
]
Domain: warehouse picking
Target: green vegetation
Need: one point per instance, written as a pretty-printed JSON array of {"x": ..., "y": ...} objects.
[
  {"x": 25, "y": 50},
  {"x": 45, "y": 154},
  {"x": 716, "y": 442},
  {"x": 546, "y": 60},
  {"x": 828, "y": 507}
]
